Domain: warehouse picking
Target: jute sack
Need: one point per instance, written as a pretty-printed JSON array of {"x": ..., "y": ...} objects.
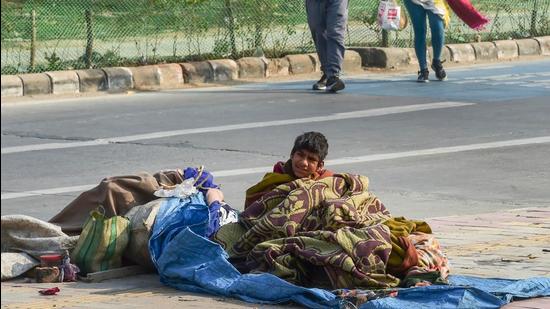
[
  {"x": 141, "y": 219},
  {"x": 102, "y": 242}
]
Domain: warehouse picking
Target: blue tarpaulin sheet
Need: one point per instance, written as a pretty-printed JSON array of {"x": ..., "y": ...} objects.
[
  {"x": 465, "y": 292},
  {"x": 188, "y": 261}
]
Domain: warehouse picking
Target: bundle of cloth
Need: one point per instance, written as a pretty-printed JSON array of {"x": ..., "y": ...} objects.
[
  {"x": 468, "y": 13},
  {"x": 118, "y": 194},
  {"x": 331, "y": 232}
]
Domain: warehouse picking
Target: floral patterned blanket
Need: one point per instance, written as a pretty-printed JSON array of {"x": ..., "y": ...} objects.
[{"x": 330, "y": 232}]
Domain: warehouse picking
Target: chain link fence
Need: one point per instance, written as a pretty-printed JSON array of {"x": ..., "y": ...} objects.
[{"x": 48, "y": 35}]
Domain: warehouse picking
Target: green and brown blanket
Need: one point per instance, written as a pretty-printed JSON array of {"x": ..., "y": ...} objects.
[{"x": 328, "y": 232}]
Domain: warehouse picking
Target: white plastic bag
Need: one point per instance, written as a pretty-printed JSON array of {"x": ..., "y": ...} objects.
[
  {"x": 389, "y": 15},
  {"x": 181, "y": 190}
]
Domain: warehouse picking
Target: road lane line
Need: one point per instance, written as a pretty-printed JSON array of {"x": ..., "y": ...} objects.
[
  {"x": 334, "y": 162},
  {"x": 163, "y": 134},
  {"x": 61, "y": 190}
]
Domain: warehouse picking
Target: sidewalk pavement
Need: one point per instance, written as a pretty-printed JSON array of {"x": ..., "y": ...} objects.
[{"x": 512, "y": 244}]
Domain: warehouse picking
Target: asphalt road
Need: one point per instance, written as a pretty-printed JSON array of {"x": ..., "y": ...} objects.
[{"x": 479, "y": 142}]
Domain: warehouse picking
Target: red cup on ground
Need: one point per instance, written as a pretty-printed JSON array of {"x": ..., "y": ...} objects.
[{"x": 50, "y": 260}]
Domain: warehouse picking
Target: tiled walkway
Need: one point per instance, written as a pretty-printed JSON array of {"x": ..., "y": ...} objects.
[{"x": 511, "y": 244}]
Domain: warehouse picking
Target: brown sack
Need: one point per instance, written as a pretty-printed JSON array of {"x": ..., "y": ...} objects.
[
  {"x": 117, "y": 195},
  {"x": 142, "y": 219}
]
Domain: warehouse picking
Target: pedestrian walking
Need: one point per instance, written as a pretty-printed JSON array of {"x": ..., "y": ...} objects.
[
  {"x": 436, "y": 13},
  {"x": 327, "y": 20}
]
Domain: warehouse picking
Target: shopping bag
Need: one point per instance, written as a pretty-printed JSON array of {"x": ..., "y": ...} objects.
[
  {"x": 102, "y": 242},
  {"x": 389, "y": 15}
]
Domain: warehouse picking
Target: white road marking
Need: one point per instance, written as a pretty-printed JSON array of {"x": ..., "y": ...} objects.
[
  {"x": 530, "y": 80},
  {"x": 341, "y": 161},
  {"x": 61, "y": 190},
  {"x": 163, "y": 134},
  {"x": 484, "y": 67}
]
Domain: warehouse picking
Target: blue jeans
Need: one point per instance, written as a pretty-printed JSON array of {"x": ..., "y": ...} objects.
[{"x": 437, "y": 27}]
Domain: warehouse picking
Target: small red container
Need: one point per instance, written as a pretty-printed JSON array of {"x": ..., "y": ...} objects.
[{"x": 50, "y": 260}]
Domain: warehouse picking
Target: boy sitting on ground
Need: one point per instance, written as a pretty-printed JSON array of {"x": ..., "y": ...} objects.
[{"x": 306, "y": 161}]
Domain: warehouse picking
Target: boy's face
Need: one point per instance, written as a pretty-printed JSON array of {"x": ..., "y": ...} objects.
[{"x": 305, "y": 163}]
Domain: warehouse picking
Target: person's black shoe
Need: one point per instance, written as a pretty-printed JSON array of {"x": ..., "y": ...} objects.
[
  {"x": 321, "y": 84},
  {"x": 423, "y": 76},
  {"x": 438, "y": 69},
  {"x": 334, "y": 84}
]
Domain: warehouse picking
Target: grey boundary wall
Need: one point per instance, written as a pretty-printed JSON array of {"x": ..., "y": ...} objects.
[{"x": 176, "y": 75}]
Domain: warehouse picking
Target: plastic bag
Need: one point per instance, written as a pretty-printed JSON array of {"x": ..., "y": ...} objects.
[
  {"x": 389, "y": 15},
  {"x": 182, "y": 190}
]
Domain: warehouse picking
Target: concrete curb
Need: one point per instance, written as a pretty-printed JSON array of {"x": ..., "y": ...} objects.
[
  {"x": 352, "y": 61},
  {"x": 462, "y": 52},
  {"x": 528, "y": 47},
  {"x": 544, "y": 42},
  {"x": 252, "y": 67},
  {"x": 119, "y": 79},
  {"x": 172, "y": 74},
  {"x": 380, "y": 57},
  {"x": 197, "y": 72},
  {"x": 92, "y": 80},
  {"x": 224, "y": 70},
  {"x": 12, "y": 86},
  {"x": 507, "y": 50},
  {"x": 36, "y": 84},
  {"x": 145, "y": 77},
  {"x": 412, "y": 55},
  {"x": 175, "y": 75},
  {"x": 316, "y": 62},
  {"x": 162, "y": 76},
  {"x": 278, "y": 67},
  {"x": 300, "y": 64},
  {"x": 486, "y": 51},
  {"x": 64, "y": 82},
  {"x": 445, "y": 55}
]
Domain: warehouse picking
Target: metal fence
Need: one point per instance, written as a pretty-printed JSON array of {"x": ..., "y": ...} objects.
[{"x": 42, "y": 35}]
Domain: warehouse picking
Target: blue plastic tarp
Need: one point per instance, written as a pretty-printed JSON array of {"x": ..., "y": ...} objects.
[
  {"x": 188, "y": 261},
  {"x": 465, "y": 292},
  {"x": 196, "y": 264},
  {"x": 174, "y": 215},
  {"x": 506, "y": 289}
]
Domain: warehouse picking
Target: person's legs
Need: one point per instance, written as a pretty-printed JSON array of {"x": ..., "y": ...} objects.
[
  {"x": 437, "y": 27},
  {"x": 316, "y": 20},
  {"x": 336, "y": 19},
  {"x": 418, "y": 21}
]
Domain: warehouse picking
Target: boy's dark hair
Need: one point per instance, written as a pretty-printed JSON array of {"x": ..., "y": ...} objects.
[{"x": 313, "y": 142}]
